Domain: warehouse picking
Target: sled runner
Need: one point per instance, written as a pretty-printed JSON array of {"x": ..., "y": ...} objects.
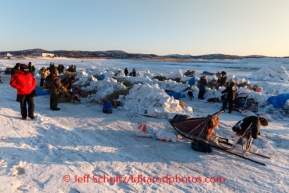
[{"x": 203, "y": 129}]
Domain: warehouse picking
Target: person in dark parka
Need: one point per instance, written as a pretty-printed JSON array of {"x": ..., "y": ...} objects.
[
  {"x": 202, "y": 86},
  {"x": 126, "y": 71},
  {"x": 231, "y": 91},
  {"x": 31, "y": 68},
  {"x": 54, "y": 87},
  {"x": 223, "y": 78},
  {"x": 133, "y": 72},
  {"x": 14, "y": 71}
]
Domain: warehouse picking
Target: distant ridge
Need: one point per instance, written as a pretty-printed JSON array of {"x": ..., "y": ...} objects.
[{"x": 119, "y": 54}]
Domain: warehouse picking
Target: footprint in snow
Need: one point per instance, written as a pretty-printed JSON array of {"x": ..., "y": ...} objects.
[{"x": 18, "y": 169}]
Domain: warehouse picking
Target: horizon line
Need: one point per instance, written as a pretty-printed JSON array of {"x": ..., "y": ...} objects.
[{"x": 256, "y": 55}]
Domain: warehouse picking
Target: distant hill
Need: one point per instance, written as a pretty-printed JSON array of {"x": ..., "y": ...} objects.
[{"x": 118, "y": 54}]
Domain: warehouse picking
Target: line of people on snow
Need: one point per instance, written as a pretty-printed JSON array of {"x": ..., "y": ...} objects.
[{"x": 202, "y": 83}]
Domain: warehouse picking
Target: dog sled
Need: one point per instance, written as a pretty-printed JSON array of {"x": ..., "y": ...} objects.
[
  {"x": 242, "y": 102},
  {"x": 203, "y": 129}
]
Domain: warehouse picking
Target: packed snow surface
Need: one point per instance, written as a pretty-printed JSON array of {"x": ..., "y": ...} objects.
[{"x": 81, "y": 149}]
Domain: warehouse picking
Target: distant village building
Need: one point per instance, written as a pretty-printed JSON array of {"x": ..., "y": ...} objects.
[{"x": 50, "y": 55}]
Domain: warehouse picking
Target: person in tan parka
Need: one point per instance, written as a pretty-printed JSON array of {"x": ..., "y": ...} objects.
[{"x": 43, "y": 74}]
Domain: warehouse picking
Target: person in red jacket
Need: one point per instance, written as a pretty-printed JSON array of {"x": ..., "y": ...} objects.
[{"x": 25, "y": 84}]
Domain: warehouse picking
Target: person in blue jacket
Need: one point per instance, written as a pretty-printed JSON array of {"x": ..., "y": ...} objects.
[
  {"x": 202, "y": 86},
  {"x": 107, "y": 107}
]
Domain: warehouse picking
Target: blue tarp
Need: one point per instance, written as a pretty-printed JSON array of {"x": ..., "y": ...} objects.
[
  {"x": 278, "y": 101},
  {"x": 208, "y": 73},
  {"x": 41, "y": 92},
  {"x": 101, "y": 77},
  {"x": 205, "y": 72},
  {"x": 176, "y": 95}
]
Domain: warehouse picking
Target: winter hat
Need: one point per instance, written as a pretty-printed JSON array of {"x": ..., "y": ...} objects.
[{"x": 23, "y": 67}]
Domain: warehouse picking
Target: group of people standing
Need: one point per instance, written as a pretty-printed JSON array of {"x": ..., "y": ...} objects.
[
  {"x": 55, "y": 85},
  {"x": 23, "y": 80},
  {"x": 229, "y": 92},
  {"x": 133, "y": 73},
  {"x": 222, "y": 79},
  {"x": 202, "y": 83}
]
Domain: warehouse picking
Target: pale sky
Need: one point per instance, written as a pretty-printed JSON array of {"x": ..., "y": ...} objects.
[{"x": 196, "y": 27}]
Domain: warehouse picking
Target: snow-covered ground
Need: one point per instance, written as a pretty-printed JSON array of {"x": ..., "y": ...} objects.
[{"x": 47, "y": 154}]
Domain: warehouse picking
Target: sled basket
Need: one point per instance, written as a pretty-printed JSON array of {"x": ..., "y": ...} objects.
[{"x": 196, "y": 128}]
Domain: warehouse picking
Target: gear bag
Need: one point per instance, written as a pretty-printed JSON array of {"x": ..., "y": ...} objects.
[
  {"x": 107, "y": 107},
  {"x": 200, "y": 145}
]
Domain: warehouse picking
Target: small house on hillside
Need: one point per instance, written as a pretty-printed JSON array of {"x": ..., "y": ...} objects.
[{"x": 49, "y": 55}]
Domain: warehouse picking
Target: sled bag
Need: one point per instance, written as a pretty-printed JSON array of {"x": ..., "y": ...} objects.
[
  {"x": 107, "y": 107},
  {"x": 199, "y": 145},
  {"x": 179, "y": 118}
]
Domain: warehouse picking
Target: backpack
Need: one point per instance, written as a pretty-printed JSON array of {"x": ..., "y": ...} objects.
[{"x": 200, "y": 145}]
